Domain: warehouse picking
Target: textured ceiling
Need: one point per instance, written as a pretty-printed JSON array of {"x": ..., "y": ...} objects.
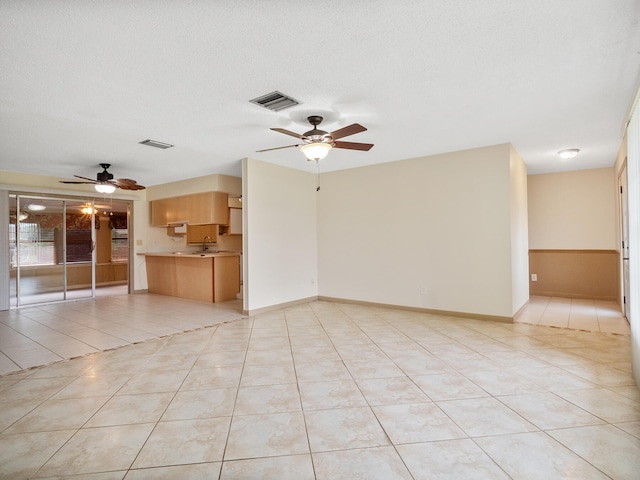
[{"x": 82, "y": 82}]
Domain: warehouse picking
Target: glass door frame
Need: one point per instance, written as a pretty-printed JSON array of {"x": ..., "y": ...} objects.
[{"x": 65, "y": 201}]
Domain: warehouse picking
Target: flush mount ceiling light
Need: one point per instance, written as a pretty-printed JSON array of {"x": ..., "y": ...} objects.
[
  {"x": 105, "y": 187},
  {"x": 34, "y": 207},
  {"x": 315, "y": 151},
  {"x": 568, "y": 153}
]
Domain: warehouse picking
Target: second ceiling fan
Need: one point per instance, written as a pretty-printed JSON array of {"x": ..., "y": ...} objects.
[{"x": 316, "y": 143}]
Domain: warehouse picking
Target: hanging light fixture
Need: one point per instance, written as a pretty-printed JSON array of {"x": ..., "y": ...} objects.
[
  {"x": 105, "y": 187},
  {"x": 315, "y": 151}
]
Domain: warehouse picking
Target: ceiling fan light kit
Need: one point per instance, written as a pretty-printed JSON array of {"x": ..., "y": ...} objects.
[
  {"x": 105, "y": 187},
  {"x": 317, "y": 143},
  {"x": 316, "y": 151}
]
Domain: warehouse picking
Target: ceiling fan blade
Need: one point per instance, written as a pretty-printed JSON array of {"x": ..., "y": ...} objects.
[
  {"x": 348, "y": 130},
  {"x": 288, "y": 132},
  {"x": 127, "y": 184},
  {"x": 93, "y": 182},
  {"x": 353, "y": 145},
  {"x": 85, "y": 178},
  {"x": 276, "y": 148}
]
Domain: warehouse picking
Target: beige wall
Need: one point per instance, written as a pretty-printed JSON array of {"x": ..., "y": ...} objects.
[
  {"x": 573, "y": 210},
  {"x": 207, "y": 183},
  {"x": 280, "y": 240},
  {"x": 435, "y": 232}
]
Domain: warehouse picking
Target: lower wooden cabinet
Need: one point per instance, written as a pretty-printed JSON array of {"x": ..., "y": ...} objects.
[{"x": 209, "y": 279}]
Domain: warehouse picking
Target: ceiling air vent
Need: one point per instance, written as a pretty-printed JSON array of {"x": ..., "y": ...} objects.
[
  {"x": 275, "y": 101},
  {"x": 155, "y": 143}
]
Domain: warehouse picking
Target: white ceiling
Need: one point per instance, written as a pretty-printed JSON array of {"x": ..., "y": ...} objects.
[{"x": 82, "y": 82}]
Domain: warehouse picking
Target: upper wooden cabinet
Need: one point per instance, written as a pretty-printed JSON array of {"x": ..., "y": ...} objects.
[
  {"x": 235, "y": 223},
  {"x": 196, "y": 209}
]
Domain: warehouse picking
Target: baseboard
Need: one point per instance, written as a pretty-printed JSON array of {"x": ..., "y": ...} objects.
[
  {"x": 448, "y": 313},
  {"x": 574, "y": 295},
  {"x": 278, "y": 306}
]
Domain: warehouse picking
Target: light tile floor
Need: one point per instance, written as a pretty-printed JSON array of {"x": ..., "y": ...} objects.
[
  {"x": 39, "y": 335},
  {"x": 579, "y": 314},
  {"x": 324, "y": 391}
]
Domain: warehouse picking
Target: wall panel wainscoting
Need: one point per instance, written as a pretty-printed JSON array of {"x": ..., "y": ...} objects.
[{"x": 574, "y": 273}]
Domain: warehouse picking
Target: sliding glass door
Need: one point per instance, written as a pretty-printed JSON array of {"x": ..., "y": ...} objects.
[{"x": 52, "y": 249}]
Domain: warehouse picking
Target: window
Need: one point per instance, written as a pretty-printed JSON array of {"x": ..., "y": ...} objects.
[
  {"x": 37, "y": 245},
  {"x": 119, "y": 245}
]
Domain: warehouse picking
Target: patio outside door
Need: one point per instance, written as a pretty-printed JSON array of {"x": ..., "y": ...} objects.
[{"x": 52, "y": 254}]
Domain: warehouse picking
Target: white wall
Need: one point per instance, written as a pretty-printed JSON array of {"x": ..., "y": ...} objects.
[
  {"x": 519, "y": 232},
  {"x": 280, "y": 236},
  {"x": 439, "y": 225},
  {"x": 633, "y": 172},
  {"x": 573, "y": 210}
]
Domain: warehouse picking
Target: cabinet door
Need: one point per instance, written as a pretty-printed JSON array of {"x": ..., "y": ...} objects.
[
  {"x": 159, "y": 213},
  {"x": 235, "y": 221},
  {"x": 219, "y": 208},
  {"x": 197, "y": 209}
]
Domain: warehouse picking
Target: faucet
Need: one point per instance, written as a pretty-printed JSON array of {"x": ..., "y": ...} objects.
[{"x": 205, "y": 246}]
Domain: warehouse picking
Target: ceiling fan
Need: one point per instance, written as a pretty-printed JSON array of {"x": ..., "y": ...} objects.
[
  {"x": 316, "y": 143},
  {"x": 105, "y": 183}
]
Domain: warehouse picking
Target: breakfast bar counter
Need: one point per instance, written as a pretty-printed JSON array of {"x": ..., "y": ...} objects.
[{"x": 206, "y": 276}]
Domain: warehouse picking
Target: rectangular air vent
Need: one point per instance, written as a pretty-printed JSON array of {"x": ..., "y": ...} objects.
[
  {"x": 275, "y": 101},
  {"x": 155, "y": 143}
]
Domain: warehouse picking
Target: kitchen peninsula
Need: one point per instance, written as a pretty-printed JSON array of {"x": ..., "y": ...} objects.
[{"x": 206, "y": 276}]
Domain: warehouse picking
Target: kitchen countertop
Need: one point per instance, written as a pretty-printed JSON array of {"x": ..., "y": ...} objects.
[{"x": 191, "y": 254}]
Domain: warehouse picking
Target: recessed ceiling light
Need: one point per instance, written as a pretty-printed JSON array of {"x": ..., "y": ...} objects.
[
  {"x": 568, "y": 153},
  {"x": 34, "y": 207},
  {"x": 155, "y": 143}
]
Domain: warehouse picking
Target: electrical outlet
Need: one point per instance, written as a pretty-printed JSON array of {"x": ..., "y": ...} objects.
[
  {"x": 534, "y": 277},
  {"x": 423, "y": 290},
  {"x": 139, "y": 243}
]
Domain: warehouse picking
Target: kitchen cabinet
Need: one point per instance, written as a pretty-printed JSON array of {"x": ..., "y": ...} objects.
[
  {"x": 197, "y": 233},
  {"x": 211, "y": 277},
  {"x": 195, "y": 209},
  {"x": 235, "y": 223}
]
